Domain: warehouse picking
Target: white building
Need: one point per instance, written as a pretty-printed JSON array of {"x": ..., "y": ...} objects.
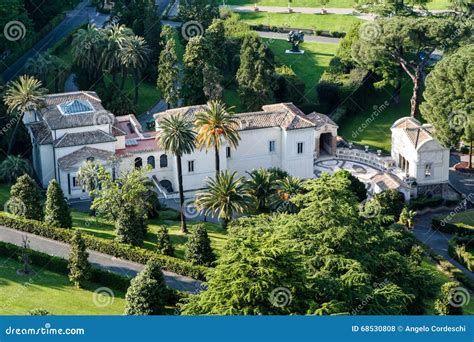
[{"x": 74, "y": 127}]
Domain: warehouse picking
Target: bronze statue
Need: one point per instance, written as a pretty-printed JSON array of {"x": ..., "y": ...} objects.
[{"x": 295, "y": 38}]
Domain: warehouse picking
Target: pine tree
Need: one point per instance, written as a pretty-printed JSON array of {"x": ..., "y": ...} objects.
[
  {"x": 193, "y": 60},
  {"x": 25, "y": 199},
  {"x": 163, "y": 243},
  {"x": 130, "y": 227},
  {"x": 56, "y": 210},
  {"x": 254, "y": 76},
  {"x": 147, "y": 292},
  {"x": 212, "y": 82},
  {"x": 168, "y": 73},
  {"x": 79, "y": 267},
  {"x": 198, "y": 248}
]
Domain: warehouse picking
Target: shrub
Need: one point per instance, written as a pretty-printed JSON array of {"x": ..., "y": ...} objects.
[
  {"x": 129, "y": 227},
  {"x": 443, "y": 304},
  {"x": 56, "y": 210},
  {"x": 423, "y": 202},
  {"x": 147, "y": 293},
  {"x": 105, "y": 246},
  {"x": 198, "y": 248},
  {"x": 79, "y": 267},
  {"x": 457, "y": 250},
  {"x": 439, "y": 223},
  {"x": 25, "y": 199},
  {"x": 39, "y": 312},
  {"x": 163, "y": 243}
]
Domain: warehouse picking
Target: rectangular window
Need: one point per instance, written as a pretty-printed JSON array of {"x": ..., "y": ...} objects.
[
  {"x": 271, "y": 146},
  {"x": 428, "y": 170},
  {"x": 74, "y": 184},
  {"x": 191, "y": 166},
  {"x": 227, "y": 152},
  {"x": 300, "y": 148}
]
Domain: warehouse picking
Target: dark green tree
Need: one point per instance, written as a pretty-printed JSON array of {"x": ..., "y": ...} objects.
[
  {"x": 163, "y": 242},
  {"x": 389, "y": 203},
  {"x": 79, "y": 267},
  {"x": 56, "y": 209},
  {"x": 168, "y": 70},
  {"x": 130, "y": 227},
  {"x": 147, "y": 292},
  {"x": 356, "y": 185},
  {"x": 202, "y": 11},
  {"x": 448, "y": 104},
  {"x": 13, "y": 167},
  {"x": 25, "y": 199},
  {"x": 198, "y": 247},
  {"x": 194, "y": 59},
  {"x": 255, "y": 73}
]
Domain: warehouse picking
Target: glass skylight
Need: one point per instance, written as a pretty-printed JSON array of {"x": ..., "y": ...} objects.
[{"x": 76, "y": 107}]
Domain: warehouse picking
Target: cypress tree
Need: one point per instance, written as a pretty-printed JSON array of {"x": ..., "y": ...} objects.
[
  {"x": 168, "y": 71},
  {"x": 147, "y": 292},
  {"x": 163, "y": 244},
  {"x": 25, "y": 199},
  {"x": 130, "y": 227},
  {"x": 198, "y": 248},
  {"x": 56, "y": 210},
  {"x": 194, "y": 60},
  {"x": 79, "y": 267}
]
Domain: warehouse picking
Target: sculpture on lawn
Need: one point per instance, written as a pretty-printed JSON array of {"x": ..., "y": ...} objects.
[{"x": 295, "y": 38}]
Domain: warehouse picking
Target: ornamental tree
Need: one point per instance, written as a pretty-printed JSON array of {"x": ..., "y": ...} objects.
[
  {"x": 25, "y": 199},
  {"x": 168, "y": 69},
  {"x": 56, "y": 209},
  {"x": 163, "y": 242},
  {"x": 79, "y": 267},
  {"x": 147, "y": 292},
  {"x": 445, "y": 304},
  {"x": 198, "y": 247}
]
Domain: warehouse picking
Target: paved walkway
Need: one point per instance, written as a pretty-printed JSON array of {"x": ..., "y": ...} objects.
[
  {"x": 99, "y": 260},
  {"x": 75, "y": 18},
  {"x": 436, "y": 240}
]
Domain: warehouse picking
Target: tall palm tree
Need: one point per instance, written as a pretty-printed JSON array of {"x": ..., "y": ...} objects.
[
  {"x": 284, "y": 190},
  {"x": 134, "y": 55},
  {"x": 88, "y": 176},
  {"x": 261, "y": 187},
  {"x": 216, "y": 124},
  {"x": 13, "y": 167},
  {"x": 176, "y": 135},
  {"x": 116, "y": 35},
  {"x": 22, "y": 95},
  {"x": 87, "y": 47},
  {"x": 224, "y": 196}
]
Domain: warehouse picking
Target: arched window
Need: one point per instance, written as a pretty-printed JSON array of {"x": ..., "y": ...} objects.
[
  {"x": 138, "y": 162},
  {"x": 167, "y": 185},
  {"x": 163, "y": 160},
  {"x": 151, "y": 161}
]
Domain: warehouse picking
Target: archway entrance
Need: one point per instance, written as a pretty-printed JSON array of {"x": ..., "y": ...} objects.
[{"x": 327, "y": 145}]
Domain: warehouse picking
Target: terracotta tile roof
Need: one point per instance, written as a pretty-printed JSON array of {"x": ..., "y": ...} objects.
[
  {"x": 81, "y": 155},
  {"x": 84, "y": 138},
  {"x": 414, "y": 130},
  {"x": 284, "y": 115},
  {"x": 41, "y": 133},
  {"x": 56, "y": 120},
  {"x": 386, "y": 181},
  {"x": 143, "y": 145}
]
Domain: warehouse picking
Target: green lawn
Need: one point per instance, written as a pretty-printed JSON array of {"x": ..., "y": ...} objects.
[
  {"x": 434, "y": 4},
  {"x": 440, "y": 279},
  {"x": 375, "y": 125},
  {"x": 106, "y": 230},
  {"x": 309, "y": 66},
  {"x": 50, "y": 291},
  {"x": 329, "y": 22},
  {"x": 465, "y": 217}
]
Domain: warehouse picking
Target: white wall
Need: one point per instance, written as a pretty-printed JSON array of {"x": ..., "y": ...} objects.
[{"x": 299, "y": 165}]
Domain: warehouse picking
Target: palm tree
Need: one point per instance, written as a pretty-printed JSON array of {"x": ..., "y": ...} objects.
[
  {"x": 260, "y": 186},
  {"x": 284, "y": 190},
  {"x": 21, "y": 96},
  {"x": 39, "y": 67},
  {"x": 407, "y": 218},
  {"x": 176, "y": 135},
  {"x": 87, "y": 50},
  {"x": 134, "y": 55},
  {"x": 116, "y": 35},
  {"x": 13, "y": 167},
  {"x": 215, "y": 124},
  {"x": 224, "y": 196},
  {"x": 88, "y": 176}
]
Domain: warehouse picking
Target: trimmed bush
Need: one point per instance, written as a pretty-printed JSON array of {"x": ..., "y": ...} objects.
[
  {"x": 56, "y": 210},
  {"x": 163, "y": 243},
  {"x": 198, "y": 248},
  {"x": 25, "y": 199},
  {"x": 105, "y": 246},
  {"x": 79, "y": 267},
  {"x": 438, "y": 223}
]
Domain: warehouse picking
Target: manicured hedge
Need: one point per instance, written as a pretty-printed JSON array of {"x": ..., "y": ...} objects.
[
  {"x": 425, "y": 202},
  {"x": 457, "y": 250},
  {"x": 437, "y": 223},
  {"x": 59, "y": 265},
  {"x": 110, "y": 247}
]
